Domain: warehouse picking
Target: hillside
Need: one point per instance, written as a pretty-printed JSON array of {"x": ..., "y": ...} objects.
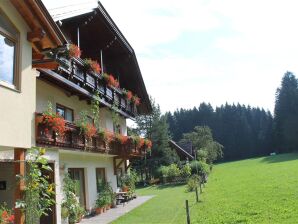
[{"x": 262, "y": 190}]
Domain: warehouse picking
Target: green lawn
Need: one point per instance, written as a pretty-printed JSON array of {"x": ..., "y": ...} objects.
[{"x": 263, "y": 190}]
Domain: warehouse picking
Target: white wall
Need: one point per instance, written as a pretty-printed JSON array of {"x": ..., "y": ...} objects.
[
  {"x": 88, "y": 161},
  {"x": 17, "y": 108}
]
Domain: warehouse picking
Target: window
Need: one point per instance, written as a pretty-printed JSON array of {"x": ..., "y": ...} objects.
[
  {"x": 117, "y": 128},
  {"x": 100, "y": 178},
  {"x": 9, "y": 48},
  {"x": 65, "y": 112},
  {"x": 119, "y": 175}
]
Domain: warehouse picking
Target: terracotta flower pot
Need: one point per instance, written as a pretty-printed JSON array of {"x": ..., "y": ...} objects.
[
  {"x": 98, "y": 211},
  {"x": 125, "y": 189},
  {"x": 104, "y": 209}
]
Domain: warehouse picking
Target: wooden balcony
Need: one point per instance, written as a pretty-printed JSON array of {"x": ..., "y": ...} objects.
[
  {"x": 71, "y": 76},
  {"x": 73, "y": 139}
]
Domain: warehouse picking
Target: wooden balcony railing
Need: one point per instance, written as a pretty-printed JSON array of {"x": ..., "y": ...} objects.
[
  {"x": 72, "y": 70},
  {"x": 73, "y": 139}
]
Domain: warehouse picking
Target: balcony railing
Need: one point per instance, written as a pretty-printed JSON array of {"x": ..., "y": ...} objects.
[
  {"x": 73, "y": 139},
  {"x": 72, "y": 70}
]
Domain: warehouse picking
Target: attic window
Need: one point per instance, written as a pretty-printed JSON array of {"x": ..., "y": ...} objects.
[{"x": 9, "y": 48}]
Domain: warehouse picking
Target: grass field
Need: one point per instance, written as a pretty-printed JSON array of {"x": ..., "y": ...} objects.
[{"x": 262, "y": 190}]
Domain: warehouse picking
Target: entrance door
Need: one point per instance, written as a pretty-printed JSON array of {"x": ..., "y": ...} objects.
[
  {"x": 51, "y": 217},
  {"x": 78, "y": 175}
]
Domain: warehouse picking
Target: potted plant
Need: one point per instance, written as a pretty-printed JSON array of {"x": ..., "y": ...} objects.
[
  {"x": 121, "y": 139},
  {"x": 52, "y": 122},
  {"x": 136, "y": 100},
  {"x": 128, "y": 94},
  {"x": 100, "y": 204},
  {"x": 92, "y": 66},
  {"x": 87, "y": 129},
  {"x": 110, "y": 80}
]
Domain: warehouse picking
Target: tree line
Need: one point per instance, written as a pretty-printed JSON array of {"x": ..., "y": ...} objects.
[
  {"x": 246, "y": 131},
  {"x": 238, "y": 131}
]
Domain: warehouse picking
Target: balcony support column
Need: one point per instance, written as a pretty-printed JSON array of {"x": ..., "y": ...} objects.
[{"x": 19, "y": 168}]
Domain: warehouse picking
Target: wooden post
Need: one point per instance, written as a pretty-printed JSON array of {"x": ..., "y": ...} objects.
[
  {"x": 197, "y": 195},
  {"x": 19, "y": 168},
  {"x": 187, "y": 212}
]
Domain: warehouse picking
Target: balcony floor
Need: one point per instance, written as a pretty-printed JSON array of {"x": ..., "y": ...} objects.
[{"x": 115, "y": 213}]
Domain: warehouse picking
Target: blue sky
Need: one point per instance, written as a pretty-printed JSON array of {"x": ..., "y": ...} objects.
[{"x": 207, "y": 50}]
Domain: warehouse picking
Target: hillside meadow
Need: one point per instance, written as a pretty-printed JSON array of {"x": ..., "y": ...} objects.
[{"x": 261, "y": 190}]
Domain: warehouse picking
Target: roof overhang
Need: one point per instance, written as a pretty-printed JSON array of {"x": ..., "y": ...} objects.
[{"x": 44, "y": 34}]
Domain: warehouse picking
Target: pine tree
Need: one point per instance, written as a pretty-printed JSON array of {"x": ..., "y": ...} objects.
[{"x": 286, "y": 110}]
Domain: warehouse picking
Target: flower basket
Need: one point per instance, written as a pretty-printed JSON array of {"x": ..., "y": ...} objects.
[
  {"x": 110, "y": 80},
  {"x": 92, "y": 66},
  {"x": 54, "y": 123},
  {"x": 127, "y": 94}
]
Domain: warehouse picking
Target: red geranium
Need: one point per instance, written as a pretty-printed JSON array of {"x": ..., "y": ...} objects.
[
  {"x": 136, "y": 100},
  {"x": 56, "y": 122},
  {"x": 90, "y": 131},
  {"x": 74, "y": 51},
  {"x": 95, "y": 67},
  {"x": 121, "y": 139}
]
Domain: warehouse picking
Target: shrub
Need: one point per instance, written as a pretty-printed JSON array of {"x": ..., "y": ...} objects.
[
  {"x": 193, "y": 182},
  {"x": 186, "y": 170},
  {"x": 200, "y": 166},
  {"x": 163, "y": 171},
  {"x": 173, "y": 171}
]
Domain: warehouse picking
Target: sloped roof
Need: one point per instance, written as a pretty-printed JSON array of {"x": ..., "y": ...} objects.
[
  {"x": 133, "y": 80},
  {"x": 180, "y": 150}
]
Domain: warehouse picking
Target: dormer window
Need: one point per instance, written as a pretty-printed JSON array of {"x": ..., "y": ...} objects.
[{"x": 9, "y": 48}]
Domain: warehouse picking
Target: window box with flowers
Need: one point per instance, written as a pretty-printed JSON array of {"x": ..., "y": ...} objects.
[
  {"x": 91, "y": 66},
  {"x": 127, "y": 94},
  {"x": 110, "y": 80},
  {"x": 51, "y": 124}
]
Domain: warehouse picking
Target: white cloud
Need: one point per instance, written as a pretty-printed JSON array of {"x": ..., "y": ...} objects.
[{"x": 257, "y": 42}]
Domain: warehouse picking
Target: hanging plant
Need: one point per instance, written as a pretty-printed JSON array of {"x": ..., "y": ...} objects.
[
  {"x": 136, "y": 100},
  {"x": 128, "y": 94},
  {"x": 87, "y": 129},
  {"x": 110, "y": 80},
  {"x": 74, "y": 51},
  {"x": 121, "y": 139},
  {"x": 53, "y": 121},
  {"x": 90, "y": 131},
  {"x": 91, "y": 65},
  {"x": 138, "y": 141},
  {"x": 106, "y": 135}
]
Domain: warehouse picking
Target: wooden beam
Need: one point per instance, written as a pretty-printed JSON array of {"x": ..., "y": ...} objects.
[
  {"x": 52, "y": 65},
  {"x": 37, "y": 56},
  {"x": 36, "y": 35},
  {"x": 19, "y": 168}
]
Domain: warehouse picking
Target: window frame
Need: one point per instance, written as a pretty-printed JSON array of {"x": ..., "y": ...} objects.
[
  {"x": 16, "y": 85},
  {"x": 58, "y": 105}
]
